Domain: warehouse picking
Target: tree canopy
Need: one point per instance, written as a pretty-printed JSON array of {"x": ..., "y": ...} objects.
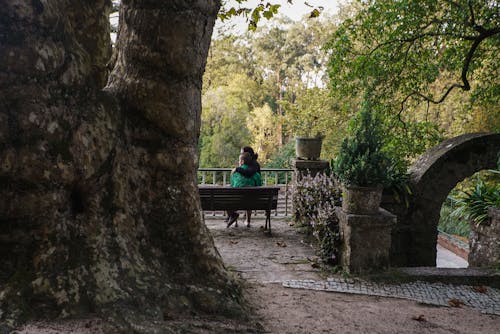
[{"x": 418, "y": 51}]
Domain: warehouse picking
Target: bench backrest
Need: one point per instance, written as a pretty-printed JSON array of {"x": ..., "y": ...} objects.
[{"x": 245, "y": 198}]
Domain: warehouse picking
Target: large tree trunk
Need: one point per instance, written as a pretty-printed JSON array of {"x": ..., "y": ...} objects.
[{"x": 99, "y": 209}]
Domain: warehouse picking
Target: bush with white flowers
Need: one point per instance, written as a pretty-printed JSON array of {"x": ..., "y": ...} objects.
[{"x": 314, "y": 200}]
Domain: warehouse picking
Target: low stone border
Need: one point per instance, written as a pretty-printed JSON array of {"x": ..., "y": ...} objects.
[
  {"x": 453, "y": 245},
  {"x": 484, "y": 299}
]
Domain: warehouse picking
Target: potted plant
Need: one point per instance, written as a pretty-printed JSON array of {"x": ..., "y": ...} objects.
[
  {"x": 361, "y": 165},
  {"x": 308, "y": 148},
  {"x": 303, "y": 119}
]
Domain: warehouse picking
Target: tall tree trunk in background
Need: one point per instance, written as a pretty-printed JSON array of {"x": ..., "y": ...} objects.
[{"x": 98, "y": 197}]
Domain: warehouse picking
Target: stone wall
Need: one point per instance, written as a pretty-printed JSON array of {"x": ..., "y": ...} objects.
[{"x": 433, "y": 176}]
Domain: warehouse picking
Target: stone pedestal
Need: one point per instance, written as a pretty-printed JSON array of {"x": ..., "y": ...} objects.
[
  {"x": 484, "y": 241},
  {"x": 313, "y": 167},
  {"x": 366, "y": 240}
]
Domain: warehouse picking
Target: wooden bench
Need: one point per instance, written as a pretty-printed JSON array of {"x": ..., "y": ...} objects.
[{"x": 215, "y": 198}]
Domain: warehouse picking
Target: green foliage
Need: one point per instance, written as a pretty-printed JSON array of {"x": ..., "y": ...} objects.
[
  {"x": 253, "y": 15},
  {"x": 309, "y": 114},
  {"x": 262, "y": 126},
  {"x": 361, "y": 160},
  {"x": 406, "y": 141},
  {"x": 418, "y": 51},
  {"x": 313, "y": 201},
  {"x": 283, "y": 66},
  {"x": 325, "y": 228},
  {"x": 266, "y": 9},
  {"x": 450, "y": 223},
  {"x": 223, "y": 130},
  {"x": 274, "y": 68},
  {"x": 473, "y": 205},
  {"x": 310, "y": 192},
  {"x": 283, "y": 158}
]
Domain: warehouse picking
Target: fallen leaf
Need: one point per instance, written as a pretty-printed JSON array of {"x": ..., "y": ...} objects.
[
  {"x": 315, "y": 265},
  {"x": 234, "y": 242},
  {"x": 455, "y": 302},
  {"x": 419, "y": 318},
  {"x": 280, "y": 244},
  {"x": 480, "y": 289}
]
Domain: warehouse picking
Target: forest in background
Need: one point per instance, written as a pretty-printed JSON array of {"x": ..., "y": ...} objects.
[{"x": 264, "y": 87}]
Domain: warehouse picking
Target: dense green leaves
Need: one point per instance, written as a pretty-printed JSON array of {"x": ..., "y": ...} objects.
[
  {"x": 473, "y": 205},
  {"x": 403, "y": 47},
  {"x": 361, "y": 160}
]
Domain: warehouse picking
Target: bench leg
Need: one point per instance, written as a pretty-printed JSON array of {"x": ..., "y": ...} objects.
[{"x": 268, "y": 221}]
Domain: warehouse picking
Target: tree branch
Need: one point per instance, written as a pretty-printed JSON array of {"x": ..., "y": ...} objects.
[
  {"x": 465, "y": 69},
  {"x": 472, "y": 17}
]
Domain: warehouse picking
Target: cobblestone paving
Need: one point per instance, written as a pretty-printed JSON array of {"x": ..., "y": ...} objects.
[{"x": 428, "y": 293}]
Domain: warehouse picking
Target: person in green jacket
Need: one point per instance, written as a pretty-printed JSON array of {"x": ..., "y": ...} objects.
[{"x": 240, "y": 180}]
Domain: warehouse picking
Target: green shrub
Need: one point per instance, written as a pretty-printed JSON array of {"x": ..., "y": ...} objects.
[
  {"x": 283, "y": 158},
  {"x": 361, "y": 160},
  {"x": 452, "y": 224},
  {"x": 325, "y": 228},
  {"x": 314, "y": 200},
  {"x": 473, "y": 205}
]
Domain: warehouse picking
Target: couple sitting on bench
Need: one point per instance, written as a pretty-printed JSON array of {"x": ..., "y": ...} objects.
[{"x": 246, "y": 175}]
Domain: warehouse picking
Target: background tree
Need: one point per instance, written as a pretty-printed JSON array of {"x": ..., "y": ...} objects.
[
  {"x": 262, "y": 125},
  {"x": 418, "y": 54},
  {"x": 224, "y": 122},
  {"x": 289, "y": 57},
  {"x": 282, "y": 66},
  {"x": 99, "y": 210}
]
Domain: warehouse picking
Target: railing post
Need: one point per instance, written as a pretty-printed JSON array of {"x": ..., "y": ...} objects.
[{"x": 286, "y": 194}]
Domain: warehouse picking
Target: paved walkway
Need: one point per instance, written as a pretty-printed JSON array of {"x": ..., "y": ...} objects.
[
  {"x": 288, "y": 258},
  {"x": 484, "y": 299},
  {"x": 448, "y": 259}
]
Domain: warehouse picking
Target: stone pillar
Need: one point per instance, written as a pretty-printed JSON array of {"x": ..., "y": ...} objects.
[
  {"x": 366, "y": 240},
  {"x": 313, "y": 167},
  {"x": 484, "y": 242}
]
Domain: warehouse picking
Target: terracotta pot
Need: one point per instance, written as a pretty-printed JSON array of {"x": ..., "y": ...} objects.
[
  {"x": 361, "y": 200},
  {"x": 308, "y": 148}
]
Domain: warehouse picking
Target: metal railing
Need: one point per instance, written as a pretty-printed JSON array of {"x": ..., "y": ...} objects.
[{"x": 270, "y": 176}]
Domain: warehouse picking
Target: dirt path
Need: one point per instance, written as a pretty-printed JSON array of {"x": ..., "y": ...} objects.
[{"x": 264, "y": 262}]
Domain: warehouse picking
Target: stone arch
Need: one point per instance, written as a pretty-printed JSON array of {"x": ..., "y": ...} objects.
[{"x": 433, "y": 176}]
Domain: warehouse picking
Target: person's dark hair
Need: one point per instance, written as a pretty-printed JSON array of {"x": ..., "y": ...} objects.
[
  {"x": 248, "y": 149},
  {"x": 246, "y": 157}
]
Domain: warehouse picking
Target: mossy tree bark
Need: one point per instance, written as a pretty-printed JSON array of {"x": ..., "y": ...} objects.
[{"x": 98, "y": 198}]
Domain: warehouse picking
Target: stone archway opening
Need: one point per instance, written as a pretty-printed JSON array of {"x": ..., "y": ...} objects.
[
  {"x": 433, "y": 176},
  {"x": 475, "y": 242},
  {"x": 452, "y": 248}
]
